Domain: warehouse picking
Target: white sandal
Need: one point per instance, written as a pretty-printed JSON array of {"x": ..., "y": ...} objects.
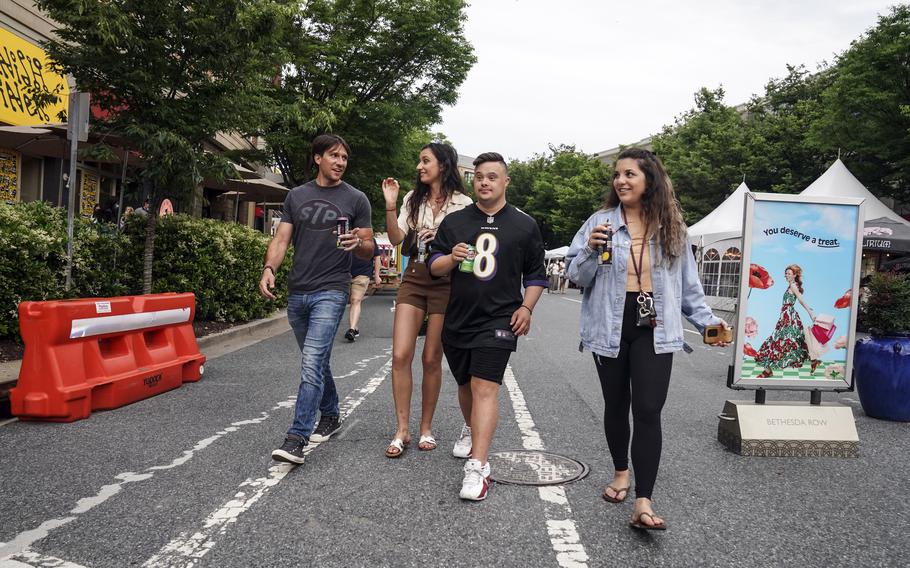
[
  {"x": 399, "y": 445},
  {"x": 428, "y": 440}
]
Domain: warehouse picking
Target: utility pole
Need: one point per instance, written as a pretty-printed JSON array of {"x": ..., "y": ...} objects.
[{"x": 76, "y": 131}]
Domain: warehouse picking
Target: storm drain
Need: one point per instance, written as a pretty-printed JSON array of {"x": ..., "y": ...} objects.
[{"x": 531, "y": 467}]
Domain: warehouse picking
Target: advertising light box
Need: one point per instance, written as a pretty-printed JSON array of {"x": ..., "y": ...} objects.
[{"x": 798, "y": 293}]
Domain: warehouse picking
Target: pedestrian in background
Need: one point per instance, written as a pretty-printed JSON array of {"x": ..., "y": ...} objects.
[
  {"x": 437, "y": 193},
  {"x": 631, "y": 316},
  {"x": 319, "y": 283},
  {"x": 363, "y": 273}
]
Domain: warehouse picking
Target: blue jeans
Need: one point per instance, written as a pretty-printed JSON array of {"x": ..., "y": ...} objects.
[{"x": 314, "y": 319}]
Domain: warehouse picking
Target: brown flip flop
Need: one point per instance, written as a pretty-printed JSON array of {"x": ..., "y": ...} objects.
[
  {"x": 617, "y": 490},
  {"x": 636, "y": 523}
]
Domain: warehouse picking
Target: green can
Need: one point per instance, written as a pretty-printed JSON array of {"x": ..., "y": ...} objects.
[{"x": 467, "y": 265}]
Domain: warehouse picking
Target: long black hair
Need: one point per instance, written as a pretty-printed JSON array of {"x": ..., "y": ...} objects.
[
  {"x": 451, "y": 180},
  {"x": 660, "y": 208}
]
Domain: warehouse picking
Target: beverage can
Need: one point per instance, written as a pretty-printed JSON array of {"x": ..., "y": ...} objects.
[
  {"x": 421, "y": 251},
  {"x": 605, "y": 251},
  {"x": 342, "y": 227},
  {"x": 467, "y": 265}
]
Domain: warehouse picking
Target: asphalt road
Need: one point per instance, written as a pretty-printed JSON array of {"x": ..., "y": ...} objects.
[{"x": 185, "y": 479}]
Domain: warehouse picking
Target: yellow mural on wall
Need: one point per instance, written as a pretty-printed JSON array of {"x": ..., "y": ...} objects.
[
  {"x": 24, "y": 69},
  {"x": 88, "y": 193},
  {"x": 10, "y": 166}
]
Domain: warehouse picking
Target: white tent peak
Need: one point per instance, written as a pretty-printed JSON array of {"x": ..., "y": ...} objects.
[
  {"x": 837, "y": 181},
  {"x": 725, "y": 222}
]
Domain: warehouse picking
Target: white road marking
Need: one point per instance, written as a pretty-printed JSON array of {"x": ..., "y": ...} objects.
[
  {"x": 31, "y": 559},
  {"x": 360, "y": 366},
  {"x": 23, "y": 540},
  {"x": 564, "y": 538},
  {"x": 572, "y": 300},
  {"x": 188, "y": 548},
  {"x": 8, "y": 421}
]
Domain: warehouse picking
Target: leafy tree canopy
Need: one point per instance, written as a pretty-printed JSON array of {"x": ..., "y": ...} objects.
[
  {"x": 864, "y": 111},
  {"x": 170, "y": 74},
  {"x": 560, "y": 189},
  {"x": 375, "y": 72}
]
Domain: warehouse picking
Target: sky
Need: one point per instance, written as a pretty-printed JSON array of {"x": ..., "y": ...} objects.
[{"x": 599, "y": 73}]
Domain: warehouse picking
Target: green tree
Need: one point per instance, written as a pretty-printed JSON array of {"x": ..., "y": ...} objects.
[
  {"x": 374, "y": 72},
  {"x": 171, "y": 74},
  {"x": 783, "y": 159},
  {"x": 706, "y": 152},
  {"x": 560, "y": 190},
  {"x": 864, "y": 112}
]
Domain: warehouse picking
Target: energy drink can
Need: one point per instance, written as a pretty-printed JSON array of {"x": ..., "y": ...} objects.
[
  {"x": 421, "y": 250},
  {"x": 467, "y": 265},
  {"x": 605, "y": 251},
  {"x": 342, "y": 227}
]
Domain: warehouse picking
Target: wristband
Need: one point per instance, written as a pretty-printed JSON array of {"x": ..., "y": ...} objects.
[
  {"x": 392, "y": 209},
  {"x": 269, "y": 268},
  {"x": 530, "y": 311}
]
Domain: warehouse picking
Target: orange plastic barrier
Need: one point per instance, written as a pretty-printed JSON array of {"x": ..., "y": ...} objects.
[{"x": 98, "y": 354}]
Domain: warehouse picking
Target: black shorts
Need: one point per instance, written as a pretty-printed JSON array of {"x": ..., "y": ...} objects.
[{"x": 488, "y": 363}]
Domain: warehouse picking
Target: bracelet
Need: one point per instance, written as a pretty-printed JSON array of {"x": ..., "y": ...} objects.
[
  {"x": 530, "y": 311},
  {"x": 270, "y": 268},
  {"x": 392, "y": 209}
]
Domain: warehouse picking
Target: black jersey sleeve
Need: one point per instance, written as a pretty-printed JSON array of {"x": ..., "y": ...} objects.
[{"x": 535, "y": 271}]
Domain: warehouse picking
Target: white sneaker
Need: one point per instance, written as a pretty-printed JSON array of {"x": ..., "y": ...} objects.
[
  {"x": 476, "y": 481},
  {"x": 464, "y": 443}
]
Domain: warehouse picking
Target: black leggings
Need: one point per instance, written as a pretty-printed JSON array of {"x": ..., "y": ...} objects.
[{"x": 637, "y": 378}]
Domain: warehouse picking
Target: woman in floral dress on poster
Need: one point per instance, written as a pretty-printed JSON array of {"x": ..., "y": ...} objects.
[{"x": 786, "y": 346}]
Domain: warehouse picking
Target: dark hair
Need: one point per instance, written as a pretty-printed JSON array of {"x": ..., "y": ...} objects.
[
  {"x": 322, "y": 143},
  {"x": 661, "y": 210},
  {"x": 491, "y": 157},
  {"x": 447, "y": 157}
]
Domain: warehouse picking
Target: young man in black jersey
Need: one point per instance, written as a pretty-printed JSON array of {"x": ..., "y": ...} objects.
[{"x": 486, "y": 312}]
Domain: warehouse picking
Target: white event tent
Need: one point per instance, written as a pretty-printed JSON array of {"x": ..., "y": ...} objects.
[
  {"x": 718, "y": 236},
  {"x": 837, "y": 181},
  {"x": 722, "y": 224}
]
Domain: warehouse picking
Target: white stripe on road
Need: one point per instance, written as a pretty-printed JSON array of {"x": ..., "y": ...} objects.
[
  {"x": 31, "y": 559},
  {"x": 188, "y": 548},
  {"x": 572, "y": 300},
  {"x": 570, "y": 552},
  {"x": 19, "y": 543}
]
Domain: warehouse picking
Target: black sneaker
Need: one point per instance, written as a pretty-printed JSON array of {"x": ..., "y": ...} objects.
[
  {"x": 327, "y": 426},
  {"x": 291, "y": 451},
  {"x": 350, "y": 334},
  {"x": 356, "y": 333}
]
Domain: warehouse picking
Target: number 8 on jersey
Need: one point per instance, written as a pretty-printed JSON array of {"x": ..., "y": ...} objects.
[{"x": 485, "y": 261}]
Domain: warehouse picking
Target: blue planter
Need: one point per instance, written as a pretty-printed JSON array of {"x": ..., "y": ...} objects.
[{"x": 882, "y": 366}]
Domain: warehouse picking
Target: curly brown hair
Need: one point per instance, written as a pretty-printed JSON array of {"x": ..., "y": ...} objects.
[
  {"x": 797, "y": 276},
  {"x": 660, "y": 208}
]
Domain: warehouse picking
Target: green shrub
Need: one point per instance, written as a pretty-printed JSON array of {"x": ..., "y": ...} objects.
[
  {"x": 32, "y": 258},
  {"x": 219, "y": 262},
  {"x": 887, "y": 304}
]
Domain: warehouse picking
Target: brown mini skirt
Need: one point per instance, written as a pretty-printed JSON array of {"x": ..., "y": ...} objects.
[{"x": 421, "y": 290}]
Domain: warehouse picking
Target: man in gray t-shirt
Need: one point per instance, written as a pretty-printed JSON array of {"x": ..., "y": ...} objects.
[{"x": 319, "y": 283}]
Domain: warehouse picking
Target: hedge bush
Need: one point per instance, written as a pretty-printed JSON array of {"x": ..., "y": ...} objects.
[{"x": 218, "y": 261}]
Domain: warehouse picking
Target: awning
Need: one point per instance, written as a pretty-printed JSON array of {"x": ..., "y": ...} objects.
[
  {"x": 257, "y": 189},
  {"x": 886, "y": 234}
]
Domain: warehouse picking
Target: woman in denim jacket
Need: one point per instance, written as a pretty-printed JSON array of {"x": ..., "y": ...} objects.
[{"x": 631, "y": 315}]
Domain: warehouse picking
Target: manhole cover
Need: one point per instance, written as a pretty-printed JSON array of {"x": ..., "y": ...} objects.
[{"x": 531, "y": 467}]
